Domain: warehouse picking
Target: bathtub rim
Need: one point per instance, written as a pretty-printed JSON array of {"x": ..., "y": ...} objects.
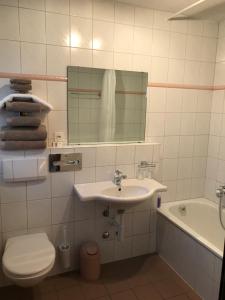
[{"x": 164, "y": 211}]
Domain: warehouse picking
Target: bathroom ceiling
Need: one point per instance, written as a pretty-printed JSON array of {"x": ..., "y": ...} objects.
[{"x": 168, "y": 5}]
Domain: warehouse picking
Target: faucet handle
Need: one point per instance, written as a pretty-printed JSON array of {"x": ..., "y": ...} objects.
[{"x": 118, "y": 172}]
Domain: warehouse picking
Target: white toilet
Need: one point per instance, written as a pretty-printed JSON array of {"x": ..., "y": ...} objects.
[{"x": 28, "y": 259}]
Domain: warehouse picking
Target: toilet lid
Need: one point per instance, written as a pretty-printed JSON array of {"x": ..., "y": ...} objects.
[{"x": 28, "y": 254}]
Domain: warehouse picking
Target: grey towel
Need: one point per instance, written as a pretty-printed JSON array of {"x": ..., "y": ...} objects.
[
  {"x": 23, "y": 99},
  {"x": 22, "y": 145},
  {"x": 21, "y": 88},
  {"x": 23, "y": 134},
  {"x": 20, "y": 81},
  {"x": 23, "y": 107},
  {"x": 23, "y": 121}
]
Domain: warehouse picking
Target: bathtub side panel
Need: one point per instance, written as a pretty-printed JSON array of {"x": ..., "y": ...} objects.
[{"x": 199, "y": 267}]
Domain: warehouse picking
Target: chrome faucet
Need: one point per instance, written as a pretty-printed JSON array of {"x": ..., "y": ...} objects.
[
  {"x": 220, "y": 192},
  {"x": 118, "y": 177}
]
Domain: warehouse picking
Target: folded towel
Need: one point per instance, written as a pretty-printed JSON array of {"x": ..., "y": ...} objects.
[
  {"x": 22, "y": 145},
  {"x": 22, "y": 99},
  {"x": 23, "y": 121},
  {"x": 9, "y": 98},
  {"x": 23, "y": 107},
  {"x": 22, "y": 88},
  {"x": 20, "y": 81},
  {"x": 23, "y": 134}
]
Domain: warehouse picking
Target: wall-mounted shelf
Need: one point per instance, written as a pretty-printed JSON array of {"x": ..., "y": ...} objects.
[{"x": 211, "y": 9}]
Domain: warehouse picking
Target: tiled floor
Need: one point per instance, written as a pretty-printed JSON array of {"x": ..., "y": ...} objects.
[{"x": 141, "y": 278}]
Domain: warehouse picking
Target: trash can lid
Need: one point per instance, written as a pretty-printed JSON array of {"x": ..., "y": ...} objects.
[{"x": 91, "y": 248}]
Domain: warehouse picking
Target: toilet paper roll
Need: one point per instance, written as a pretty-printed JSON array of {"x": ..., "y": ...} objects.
[{"x": 64, "y": 251}]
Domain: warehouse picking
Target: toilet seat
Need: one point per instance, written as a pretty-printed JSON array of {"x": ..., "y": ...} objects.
[{"x": 28, "y": 256}]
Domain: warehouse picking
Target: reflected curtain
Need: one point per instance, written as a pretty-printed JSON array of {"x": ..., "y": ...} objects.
[{"x": 108, "y": 110}]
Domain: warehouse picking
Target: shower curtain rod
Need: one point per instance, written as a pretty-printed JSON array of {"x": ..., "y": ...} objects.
[
  {"x": 93, "y": 91},
  {"x": 150, "y": 84}
]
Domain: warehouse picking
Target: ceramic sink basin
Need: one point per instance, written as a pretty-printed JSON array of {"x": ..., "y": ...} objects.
[{"x": 132, "y": 191}]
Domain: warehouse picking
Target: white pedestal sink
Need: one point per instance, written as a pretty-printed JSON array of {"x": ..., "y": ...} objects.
[{"x": 132, "y": 191}]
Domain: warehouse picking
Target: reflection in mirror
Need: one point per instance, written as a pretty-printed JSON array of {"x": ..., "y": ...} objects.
[{"x": 106, "y": 105}]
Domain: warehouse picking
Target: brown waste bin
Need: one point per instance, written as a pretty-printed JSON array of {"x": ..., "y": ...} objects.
[{"x": 90, "y": 267}]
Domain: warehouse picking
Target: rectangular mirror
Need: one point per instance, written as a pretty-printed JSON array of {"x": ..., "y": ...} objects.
[{"x": 106, "y": 106}]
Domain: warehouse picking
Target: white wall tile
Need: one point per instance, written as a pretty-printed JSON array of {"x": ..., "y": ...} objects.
[
  {"x": 39, "y": 189},
  {"x": 184, "y": 168},
  {"x": 157, "y": 100},
  {"x": 9, "y": 56},
  {"x": 161, "y": 20},
  {"x": 58, "y": 6},
  {"x": 9, "y": 23},
  {"x": 63, "y": 209},
  {"x": 178, "y": 45},
  {"x": 176, "y": 71},
  {"x": 103, "y": 35},
  {"x": 156, "y": 124},
  {"x": 14, "y": 216},
  {"x": 85, "y": 175},
  {"x": 161, "y": 43},
  {"x": 33, "y": 52},
  {"x": 172, "y": 123},
  {"x": 125, "y": 155},
  {"x": 81, "y": 57},
  {"x": 102, "y": 59},
  {"x": 13, "y": 192},
  {"x": 104, "y": 10},
  {"x": 122, "y": 61},
  {"x": 188, "y": 122},
  {"x": 32, "y": 4},
  {"x": 32, "y": 26},
  {"x": 144, "y": 17},
  {"x": 62, "y": 56},
  {"x": 142, "y": 40},
  {"x": 104, "y": 173},
  {"x": 57, "y": 37},
  {"x": 57, "y": 94},
  {"x": 143, "y": 152},
  {"x": 171, "y": 146},
  {"x": 62, "y": 184},
  {"x": 123, "y": 38},
  {"x": 124, "y": 13},
  {"x": 57, "y": 122},
  {"x": 81, "y": 32},
  {"x": 105, "y": 156},
  {"x": 39, "y": 213},
  {"x": 159, "y": 70},
  {"x": 186, "y": 146},
  {"x": 84, "y": 210},
  {"x": 81, "y": 8},
  {"x": 170, "y": 169}
]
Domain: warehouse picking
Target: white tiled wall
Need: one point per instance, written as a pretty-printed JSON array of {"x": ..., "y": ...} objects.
[
  {"x": 216, "y": 151},
  {"x": 108, "y": 34}
]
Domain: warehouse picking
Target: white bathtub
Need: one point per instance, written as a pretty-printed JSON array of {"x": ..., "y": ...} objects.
[
  {"x": 191, "y": 242},
  {"x": 201, "y": 221}
]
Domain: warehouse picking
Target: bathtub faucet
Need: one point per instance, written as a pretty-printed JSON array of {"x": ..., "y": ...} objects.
[{"x": 220, "y": 192}]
